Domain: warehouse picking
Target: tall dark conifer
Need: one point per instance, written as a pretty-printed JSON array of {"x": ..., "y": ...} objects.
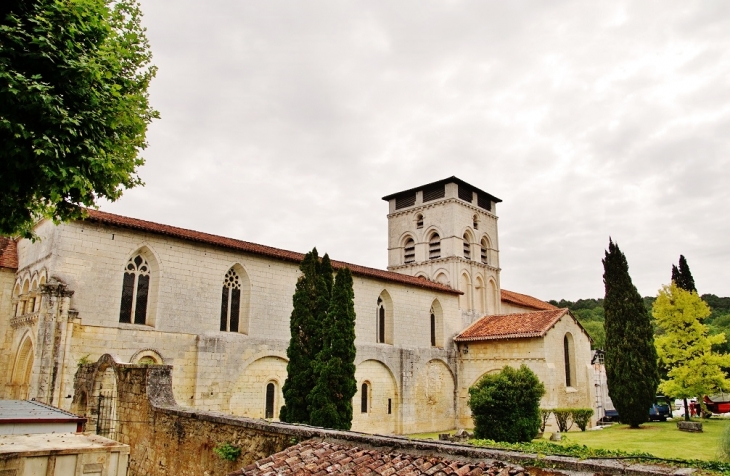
[
  {"x": 631, "y": 358},
  {"x": 682, "y": 276},
  {"x": 311, "y": 300},
  {"x": 331, "y": 399}
]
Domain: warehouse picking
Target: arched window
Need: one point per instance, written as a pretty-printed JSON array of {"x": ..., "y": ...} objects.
[
  {"x": 419, "y": 221},
  {"x": 381, "y": 321},
  {"x": 467, "y": 247},
  {"x": 409, "y": 251},
  {"x": 569, "y": 354},
  {"x": 436, "y": 318},
  {"x": 485, "y": 251},
  {"x": 475, "y": 222},
  {"x": 465, "y": 301},
  {"x": 270, "y": 397},
  {"x": 135, "y": 291},
  {"x": 434, "y": 246},
  {"x": 433, "y": 328},
  {"x": 364, "y": 398},
  {"x": 231, "y": 301}
]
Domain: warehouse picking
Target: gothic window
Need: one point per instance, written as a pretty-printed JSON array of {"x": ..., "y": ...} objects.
[
  {"x": 467, "y": 247},
  {"x": 135, "y": 291},
  {"x": 434, "y": 246},
  {"x": 270, "y": 396},
  {"x": 381, "y": 321},
  {"x": 231, "y": 301},
  {"x": 484, "y": 251},
  {"x": 364, "y": 390},
  {"x": 409, "y": 251},
  {"x": 419, "y": 221},
  {"x": 569, "y": 353},
  {"x": 433, "y": 327}
]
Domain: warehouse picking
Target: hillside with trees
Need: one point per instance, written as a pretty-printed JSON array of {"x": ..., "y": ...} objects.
[{"x": 591, "y": 315}]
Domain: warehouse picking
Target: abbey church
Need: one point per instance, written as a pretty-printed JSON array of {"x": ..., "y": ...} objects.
[{"x": 217, "y": 310}]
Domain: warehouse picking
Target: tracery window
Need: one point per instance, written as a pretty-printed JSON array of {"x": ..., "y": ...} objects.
[
  {"x": 434, "y": 246},
  {"x": 409, "y": 251},
  {"x": 135, "y": 291},
  {"x": 231, "y": 301}
]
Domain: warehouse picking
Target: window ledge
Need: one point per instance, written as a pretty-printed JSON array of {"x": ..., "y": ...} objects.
[{"x": 571, "y": 390}]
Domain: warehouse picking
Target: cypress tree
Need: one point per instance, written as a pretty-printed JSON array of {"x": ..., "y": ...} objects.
[
  {"x": 682, "y": 276},
  {"x": 330, "y": 402},
  {"x": 311, "y": 299},
  {"x": 631, "y": 358}
]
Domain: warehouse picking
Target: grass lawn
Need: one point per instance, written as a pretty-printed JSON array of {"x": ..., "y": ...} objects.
[{"x": 660, "y": 439}]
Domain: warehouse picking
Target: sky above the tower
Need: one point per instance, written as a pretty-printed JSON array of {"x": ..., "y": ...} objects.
[{"x": 284, "y": 123}]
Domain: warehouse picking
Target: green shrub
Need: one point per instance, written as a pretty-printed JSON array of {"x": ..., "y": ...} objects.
[
  {"x": 725, "y": 444},
  {"x": 564, "y": 418},
  {"x": 227, "y": 451},
  {"x": 581, "y": 417},
  {"x": 544, "y": 415},
  {"x": 505, "y": 406}
]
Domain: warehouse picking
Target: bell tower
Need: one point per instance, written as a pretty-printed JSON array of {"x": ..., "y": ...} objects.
[{"x": 446, "y": 231}]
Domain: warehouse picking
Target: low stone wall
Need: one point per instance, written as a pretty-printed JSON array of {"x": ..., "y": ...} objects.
[{"x": 168, "y": 439}]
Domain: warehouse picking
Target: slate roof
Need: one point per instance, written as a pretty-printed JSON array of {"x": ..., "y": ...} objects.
[
  {"x": 245, "y": 246},
  {"x": 27, "y": 411},
  {"x": 525, "y": 300},
  {"x": 8, "y": 253},
  {"x": 512, "y": 326},
  {"x": 324, "y": 458}
]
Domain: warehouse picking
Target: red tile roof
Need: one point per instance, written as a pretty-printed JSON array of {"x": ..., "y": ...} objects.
[
  {"x": 8, "y": 253},
  {"x": 322, "y": 458},
  {"x": 525, "y": 300},
  {"x": 247, "y": 247},
  {"x": 512, "y": 326}
]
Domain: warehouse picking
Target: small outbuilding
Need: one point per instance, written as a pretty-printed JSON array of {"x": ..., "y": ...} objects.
[{"x": 22, "y": 417}]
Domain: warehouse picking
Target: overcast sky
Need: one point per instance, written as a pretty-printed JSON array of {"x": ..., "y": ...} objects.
[{"x": 284, "y": 123}]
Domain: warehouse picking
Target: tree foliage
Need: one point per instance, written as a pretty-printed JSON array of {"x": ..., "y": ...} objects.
[
  {"x": 631, "y": 358},
  {"x": 330, "y": 401},
  {"x": 311, "y": 300},
  {"x": 506, "y": 405},
  {"x": 682, "y": 276},
  {"x": 74, "y": 106},
  {"x": 685, "y": 348}
]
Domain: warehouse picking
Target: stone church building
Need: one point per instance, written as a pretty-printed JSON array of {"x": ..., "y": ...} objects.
[{"x": 217, "y": 309}]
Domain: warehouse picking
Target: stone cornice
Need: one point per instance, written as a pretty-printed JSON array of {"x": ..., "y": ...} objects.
[
  {"x": 24, "y": 320},
  {"x": 434, "y": 203}
]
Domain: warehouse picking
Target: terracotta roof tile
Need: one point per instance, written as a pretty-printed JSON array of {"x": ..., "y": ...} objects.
[
  {"x": 341, "y": 458},
  {"x": 512, "y": 326},
  {"x": 525, "y": 300},
  {"x": 247, "y": 247},
  {"x": 8, "y": 253}
]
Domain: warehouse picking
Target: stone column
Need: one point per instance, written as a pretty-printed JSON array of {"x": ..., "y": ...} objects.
[{"x": 51, "y": 337}]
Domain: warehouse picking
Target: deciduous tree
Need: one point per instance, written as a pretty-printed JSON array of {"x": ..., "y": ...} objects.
[
  {"x": 506, "y": 405},
  {"x": 685, "y": 348},
  {"x": 74, "y": 106},
  {"x": 631, "y": 358}
]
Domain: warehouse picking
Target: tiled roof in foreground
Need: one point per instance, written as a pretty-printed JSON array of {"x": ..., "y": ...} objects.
[
  {"x": 245, "y": 246},
  {"x": 512, "y": 326},
  {"x": 525, "y": 300},
  {"x": 8, "y": 253},
  {"x": 323, "y": 458}
]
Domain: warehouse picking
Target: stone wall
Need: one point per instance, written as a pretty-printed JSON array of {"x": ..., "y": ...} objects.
[{"x": 167, "y": 439}]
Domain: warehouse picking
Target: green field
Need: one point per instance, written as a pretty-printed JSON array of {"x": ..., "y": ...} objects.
[{"x": 661, "y": 439}]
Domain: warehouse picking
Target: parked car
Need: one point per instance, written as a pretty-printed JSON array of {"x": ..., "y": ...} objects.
[{"x": 661, "y": 409}]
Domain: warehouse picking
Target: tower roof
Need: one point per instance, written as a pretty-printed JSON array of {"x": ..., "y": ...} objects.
[{"x": 452, "y": 179}]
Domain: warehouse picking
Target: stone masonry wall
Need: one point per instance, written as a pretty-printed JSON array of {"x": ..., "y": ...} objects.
[{"x": 166, "y": 439}]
